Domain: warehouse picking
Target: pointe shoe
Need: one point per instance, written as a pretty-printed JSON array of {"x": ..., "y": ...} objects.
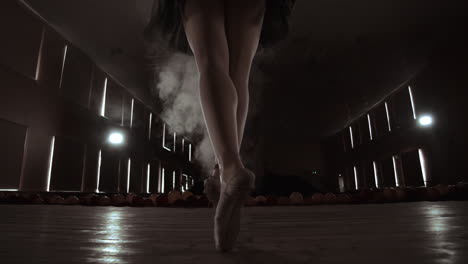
[
  {"x": 212, "y": 186},
  {"x": 228, "y": 212}
]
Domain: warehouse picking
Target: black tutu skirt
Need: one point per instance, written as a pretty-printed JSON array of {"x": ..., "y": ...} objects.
[{"x": 166, "y": 28}]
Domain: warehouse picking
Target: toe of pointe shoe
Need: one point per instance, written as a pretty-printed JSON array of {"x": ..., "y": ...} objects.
[
  {"x": 234, "y": 230},
  {"x": 227, "y": 221},
  {"x": 226, "y": 240},
  {"x": 223, "y": 226}
]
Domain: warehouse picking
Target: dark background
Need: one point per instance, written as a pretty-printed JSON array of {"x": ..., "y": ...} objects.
[{"x": 340, "y": 58}]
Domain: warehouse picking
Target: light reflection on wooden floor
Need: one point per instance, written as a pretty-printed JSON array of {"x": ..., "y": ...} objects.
[{"x": 420, "y": 232}]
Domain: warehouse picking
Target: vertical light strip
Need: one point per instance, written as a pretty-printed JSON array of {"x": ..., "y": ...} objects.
[
  {"x": 395, "y": 171},
  {"x": 388, "y": 117},
  {"x": 164, "y": 135},
  {"x": 150, "y": 124},
  {"x": 351, "y": 136},
  {"x": 355, "y": 177},
  {"x": 98, "y": 171},
  {"x": 190, "y": 152},
  {"x": 371, "y": 135},
  {"x": 51, "y": 159},
  {"x": 183, "y": 145},
  {"x": 422, "y": 161},
  {"x": 131, "y": 113},
  {"x": 39, "y": 56},
  {"x": 162, "y": 182},
  {"x": 161, "y": 171},
  {"x": 412, "y": 101},
  {"x": 128, "y": 173},
  {"x": 376, "y": 175},
  {"x": 173, "y": 180},
  {"x": 184, "y": 182},
  {"x": 175, "y": 141},
  {"x": 341, "y": 183},
  {"x": 148, "y": 173},
  {"x": 103, "y": 101},
  {"x": 164, "y": 138},
  {"x": 63, "y": 64}
]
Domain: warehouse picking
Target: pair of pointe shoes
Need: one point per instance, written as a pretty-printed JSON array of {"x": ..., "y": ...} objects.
[{"x": 228, "y": 198}]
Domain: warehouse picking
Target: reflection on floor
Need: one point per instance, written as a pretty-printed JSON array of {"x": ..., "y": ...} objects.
[{"x": 419, "y": 232}]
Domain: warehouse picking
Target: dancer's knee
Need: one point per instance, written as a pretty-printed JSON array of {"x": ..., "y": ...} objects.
[
  {"x": 212, "y": 64},
  {"x": 240, "y": 78}
]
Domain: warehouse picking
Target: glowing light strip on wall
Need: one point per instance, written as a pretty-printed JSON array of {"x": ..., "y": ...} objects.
[
  {"x": 190, "y": 152},
  {"x": 39, "y": 57},
  {"x": 103, "y": 104},
  {"x": 150, "y": 124},
  {"x": 351, "y": 136},
  {"x": 148, "y": 170},
  {"x": 51, "y": 159},
  {"x": 173, "y": 180},
  {"x": 395, "y": 170},
  {"x": 422, "y": 161},
  {"x": 128, "y": 174},
  {"x": 164, "y": 138},
  {"x": 162, "y": 181},
  {"x": 388, "y": 117},
  {"x": 376, "y": 176},
  {"x": 371, "y": 135},
  {"x": 98, "y": 171},
  {"x": 63, "y": 64},
  {"x": 185, "y": 176},
  {"x": 355, "y": 177},
  {"x": 159, "y": 177},
  {"x": 175, "y": 141},
  {"x": 412, "y": 102},
  {"x": 161, "y": 171},
  {"x": 131, "y": 113},
  {"x": 164, "y": 135},
  {"x": 341, "y": 183}
]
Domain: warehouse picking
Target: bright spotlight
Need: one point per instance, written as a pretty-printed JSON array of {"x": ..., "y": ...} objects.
[
  {"x": 425, "y": 120},
  {"x": 116, "y": 138}
]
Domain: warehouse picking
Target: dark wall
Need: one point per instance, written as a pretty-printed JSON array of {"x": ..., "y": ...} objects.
[
  {"x": 52, "y": 134},
  {"x": 109, "y": 31},
  {"x": 439, "y": 89}
]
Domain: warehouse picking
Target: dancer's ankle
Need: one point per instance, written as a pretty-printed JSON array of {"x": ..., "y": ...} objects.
[
  {"x": 226, "y": 171},
  {"x": 231, "y": 161}
]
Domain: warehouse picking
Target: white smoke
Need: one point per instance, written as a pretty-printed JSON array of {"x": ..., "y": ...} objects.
[{"x": 178, "y": 89}]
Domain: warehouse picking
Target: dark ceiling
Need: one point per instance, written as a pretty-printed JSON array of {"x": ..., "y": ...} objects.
[
  {"x": 343, "y": 56},
  {"x": 110, "y": 31},
  {"x": 339, "y": 59}
]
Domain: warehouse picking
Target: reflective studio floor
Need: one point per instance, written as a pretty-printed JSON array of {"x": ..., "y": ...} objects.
[{"x": 418, "y": 232}]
